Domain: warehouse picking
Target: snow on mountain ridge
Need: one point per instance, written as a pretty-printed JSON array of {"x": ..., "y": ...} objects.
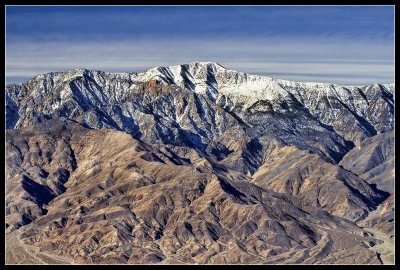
[
  {"x": 195, "y": 76},
  {"x": 204, "y": 78},
  {"x": 80, "y": 90}
]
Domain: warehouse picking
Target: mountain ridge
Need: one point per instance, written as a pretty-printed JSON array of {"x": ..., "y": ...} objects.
[
  {"x": 389, "y": 85},
  {"x": 235, "y": 92}
]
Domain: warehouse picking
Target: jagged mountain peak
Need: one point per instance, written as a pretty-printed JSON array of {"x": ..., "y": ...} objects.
[{"x": 196, "y": 74}]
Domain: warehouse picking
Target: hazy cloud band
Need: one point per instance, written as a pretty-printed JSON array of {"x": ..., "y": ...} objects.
[{"x": 304, "y": 60}]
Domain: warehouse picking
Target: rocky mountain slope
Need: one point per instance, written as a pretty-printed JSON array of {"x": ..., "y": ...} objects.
[{"x": 198, "y": 164}]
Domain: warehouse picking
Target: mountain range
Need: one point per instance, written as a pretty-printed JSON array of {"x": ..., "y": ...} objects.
[{"x": 197, "y": 163}]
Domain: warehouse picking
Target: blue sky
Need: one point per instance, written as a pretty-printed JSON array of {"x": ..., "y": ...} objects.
[{"x": 339, "y": 44}]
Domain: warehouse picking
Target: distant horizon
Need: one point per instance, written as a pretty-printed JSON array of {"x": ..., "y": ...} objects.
[{"x": 345, "y": 45}]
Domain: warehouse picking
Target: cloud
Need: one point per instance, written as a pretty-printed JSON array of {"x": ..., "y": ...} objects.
[
  {"x": 329, "y": 60},
  {"x": 336, "y": 44},
  {"x": 77, "y": 23}
]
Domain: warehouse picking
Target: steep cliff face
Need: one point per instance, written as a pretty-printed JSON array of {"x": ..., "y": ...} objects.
[{"x": 325, "y": 148}]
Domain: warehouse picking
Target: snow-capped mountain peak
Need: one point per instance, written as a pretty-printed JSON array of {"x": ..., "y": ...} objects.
[{"x": 208, "y": 94}]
